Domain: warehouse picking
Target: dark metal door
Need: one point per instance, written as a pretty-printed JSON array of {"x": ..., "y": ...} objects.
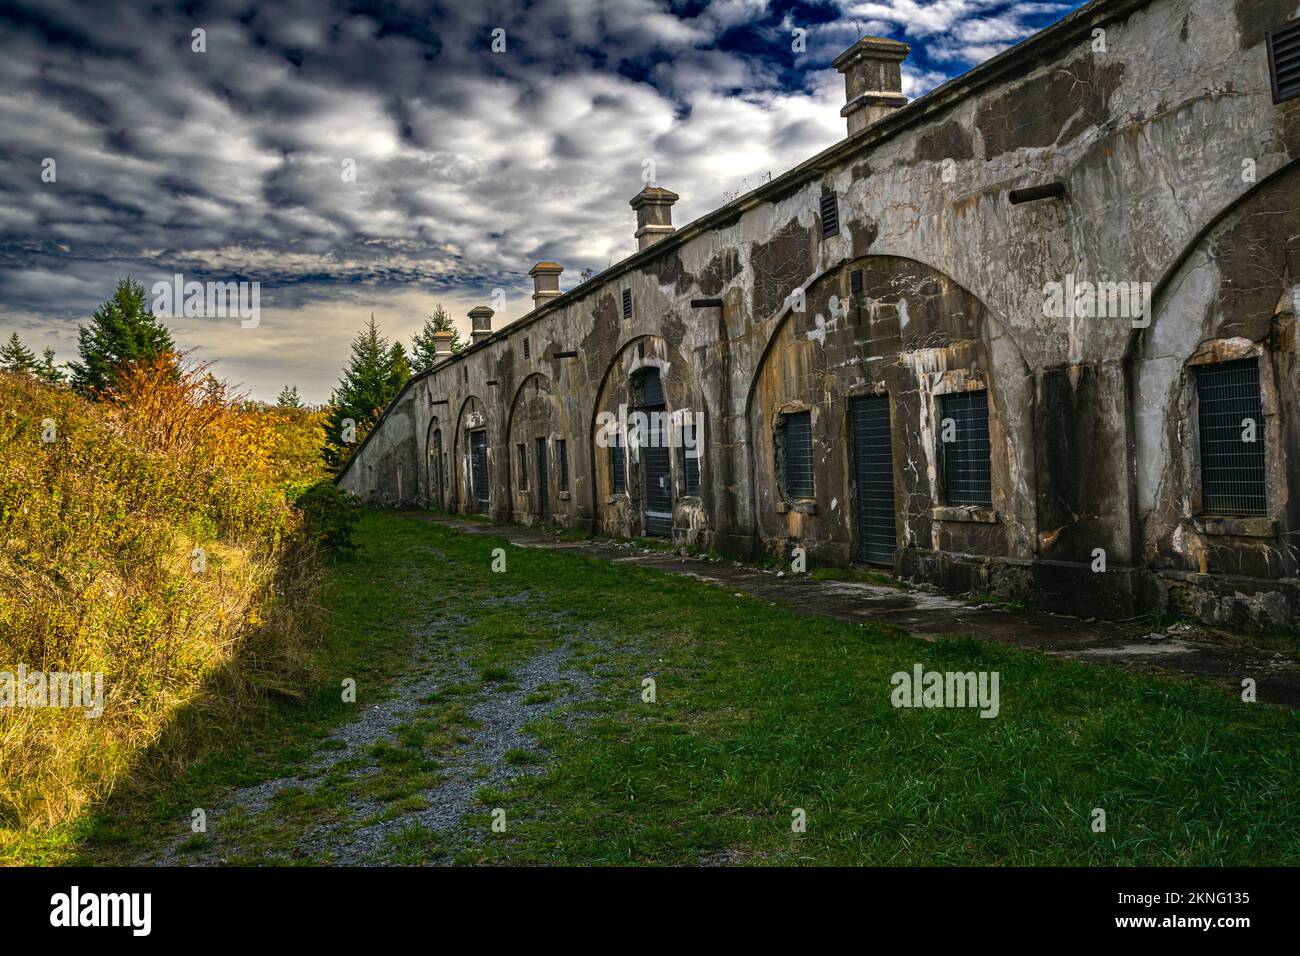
[
  {"x": 874, "y": 469},
  {"x": 436, "y": 480},
  {"x": 543, "y": 499},
  {"x": 478, "y": 469},
  {"x": 658, "y": 476}
]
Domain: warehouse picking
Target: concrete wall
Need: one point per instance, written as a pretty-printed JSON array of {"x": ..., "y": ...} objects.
[{"x": 1178, "y": 172}]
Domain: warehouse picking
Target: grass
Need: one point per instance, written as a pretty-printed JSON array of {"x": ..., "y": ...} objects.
[
  {"x": 760, "y": 711},
  {"x": 147, "y": 539}
]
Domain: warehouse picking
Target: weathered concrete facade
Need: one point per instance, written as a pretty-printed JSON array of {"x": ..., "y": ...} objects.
[{"x": 1175, "y": 168}]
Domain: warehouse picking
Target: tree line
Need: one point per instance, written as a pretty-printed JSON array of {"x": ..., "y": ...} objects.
[{"x": 123, "y": 333}]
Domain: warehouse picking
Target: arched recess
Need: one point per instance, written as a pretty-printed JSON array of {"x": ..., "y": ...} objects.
[
  {"x": 1232, "y": 296},
  {"x": 878, "y": 326},
  {"x": 471, "y": 453},
  {"x": 437, "y": 461},
  {"x": 636, "y": 508},
  {"x": 536, "y": 421}
]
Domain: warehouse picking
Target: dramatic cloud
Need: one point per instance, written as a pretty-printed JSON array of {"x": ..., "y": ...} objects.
[{"x": 470, "y": 165}]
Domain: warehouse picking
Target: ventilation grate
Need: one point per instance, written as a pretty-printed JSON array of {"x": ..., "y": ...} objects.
[
  {"x": 627, "y": 303},
  {"x": 797, "y": 456},
  {"x": 830, "y": 215},
  {"x": 1232, "y": 438},
  {"x": 1284, "y": 61},
  {"x": 526, "y": 351},
  {"x": 855, "y": 283},
  {"x": 967, "y": 472},
  {"x": 618, "y": 472}
]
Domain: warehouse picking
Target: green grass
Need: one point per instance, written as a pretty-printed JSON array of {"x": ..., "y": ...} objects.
[{"x": 761, "y": 711}]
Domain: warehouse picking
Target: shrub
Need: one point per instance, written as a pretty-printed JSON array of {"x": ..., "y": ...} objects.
[{"x": 329, "y": 516}]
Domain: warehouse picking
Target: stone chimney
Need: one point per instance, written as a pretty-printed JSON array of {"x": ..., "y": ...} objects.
[
  {"x": 546, "y": 282},
  {"x": 442, "y": 344},
  {"x": 481, "y": 317},
  {"x": 654, "y": 215},
  {"x": 873, "y": 80}
]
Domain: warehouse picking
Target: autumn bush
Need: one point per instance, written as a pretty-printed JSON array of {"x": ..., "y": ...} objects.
[{"x": 149, "y": 537}]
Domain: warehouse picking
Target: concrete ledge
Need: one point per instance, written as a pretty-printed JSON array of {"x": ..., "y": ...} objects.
[
  {"x": 964, "y": 513},
  {"x": 1237, "y": 527}
]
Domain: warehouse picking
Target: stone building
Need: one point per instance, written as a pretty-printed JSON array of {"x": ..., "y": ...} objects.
[{"x": 1032, "y": 334}]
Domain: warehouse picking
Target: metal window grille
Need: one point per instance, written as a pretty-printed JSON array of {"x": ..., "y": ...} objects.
[
  {"x": 618, "y": 469},
  {"x": 648, "y": 389},
  {"x": 562, "y": 453},
  {"x": 796, "y": 455},
  {"x": 523, "y": 466},
  {"x": 525, "y": 346},
  {"x": 690, "y": 461},
  {"x": 627, "y": 303},
  {"x": 1284, "y": 61},
  {"x": 830, "y": 215},
  {"x": 1232, "y": 438},
  {"x": 967, "y": 472}
]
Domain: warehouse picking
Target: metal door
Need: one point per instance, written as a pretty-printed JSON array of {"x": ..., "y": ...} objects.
[
  {"x": 543, "y": 498},
  {"x": 874, "y": 469}
]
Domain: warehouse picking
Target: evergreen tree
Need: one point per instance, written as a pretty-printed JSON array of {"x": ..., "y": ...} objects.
[
  {"x": 47, "y": 371},
  {"x": 375, "y": 374},
  {"x": 123, "y": 331},
  {"x": 16, "y": 357},
  {"x": 288, "y": 397},
  {"x": 422, "y": 345}
]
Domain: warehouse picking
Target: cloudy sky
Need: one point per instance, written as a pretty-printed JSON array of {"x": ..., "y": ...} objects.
[{"x": 470, "y": 165}]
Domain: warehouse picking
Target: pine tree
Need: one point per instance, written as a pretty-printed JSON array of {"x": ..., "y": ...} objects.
[
  {"x": 122, "y": 332},
  {"x": 288, "y": 397},
  {"x": 16, "y": 357},
  {"x": 47, "y": 371},
  {"x": 423, "y": 350},
  {"x": 375, "y": 374}
]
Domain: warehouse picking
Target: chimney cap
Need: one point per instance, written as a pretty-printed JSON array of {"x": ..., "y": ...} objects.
[
  {"x": 653, "y": 194},
  {"x": 546, "y": 268},
  {"x": 481, "y": 311},
  {"x": 878, "y": 48}
]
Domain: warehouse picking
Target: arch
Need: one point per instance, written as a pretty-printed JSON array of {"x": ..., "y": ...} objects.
[
  {"x": 436, "y": 464},
  {"x": 471, "y": 406},
  {"x": 535, "y": 419},
  {"x": 909, "y": 331},
  {"x": 625, "y": 513}
]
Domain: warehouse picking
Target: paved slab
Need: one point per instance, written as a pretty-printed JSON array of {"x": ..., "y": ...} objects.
[{"x": 923, "y": 612}]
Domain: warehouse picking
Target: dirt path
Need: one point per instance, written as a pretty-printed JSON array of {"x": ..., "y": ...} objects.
[{"x": 926, "y": 613}]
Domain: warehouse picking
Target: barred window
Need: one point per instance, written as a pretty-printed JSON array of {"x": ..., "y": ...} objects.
[
  {"x": 794, "y": 459},
  {"x": 964, "y": 448},
  {"x": 690, "y": 460},
  {"x": 562, "y": 453},
  {"x": 523, "y": 466},
  {"x": 1231, "y": 425},
  {"x": 616, "y": 465}
]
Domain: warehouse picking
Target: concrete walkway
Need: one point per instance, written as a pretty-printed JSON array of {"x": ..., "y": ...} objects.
[{"x": 1183, "y": 650}]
